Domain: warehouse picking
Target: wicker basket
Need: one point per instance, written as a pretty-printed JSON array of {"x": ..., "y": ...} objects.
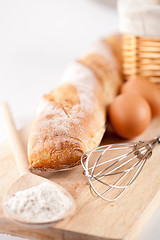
[{"x": 141, "y": 57}]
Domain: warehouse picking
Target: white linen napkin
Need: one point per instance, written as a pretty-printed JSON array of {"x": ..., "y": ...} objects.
[{"x": 140, "y": 17}]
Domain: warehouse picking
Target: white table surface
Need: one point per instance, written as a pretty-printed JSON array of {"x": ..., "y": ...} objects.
[{"x": 38, "y": 38}]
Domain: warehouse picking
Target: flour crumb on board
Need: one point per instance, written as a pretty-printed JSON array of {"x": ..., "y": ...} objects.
[{"x": 41, "y": 203}]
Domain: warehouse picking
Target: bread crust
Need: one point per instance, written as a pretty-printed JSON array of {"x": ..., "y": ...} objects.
[
  {"x": 71, "y": 119},
  {"x": 104, "y": 59}
]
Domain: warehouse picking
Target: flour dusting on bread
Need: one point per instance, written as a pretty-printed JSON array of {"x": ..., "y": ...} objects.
[{"x": 71, "y": 118}]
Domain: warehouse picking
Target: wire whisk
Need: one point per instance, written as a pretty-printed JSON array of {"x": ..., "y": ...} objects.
[{"x": 112, "y": 168}]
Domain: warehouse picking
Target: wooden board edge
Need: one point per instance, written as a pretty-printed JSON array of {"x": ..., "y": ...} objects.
[
  {"x": 147, "y": 214},
  {"x": 49, "y": 233}
]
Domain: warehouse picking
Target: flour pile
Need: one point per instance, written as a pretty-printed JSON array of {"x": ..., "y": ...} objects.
[{"x": 42, "y": 203}]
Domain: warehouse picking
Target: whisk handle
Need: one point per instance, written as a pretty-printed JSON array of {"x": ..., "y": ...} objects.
[{"x": 158, "y": 139}]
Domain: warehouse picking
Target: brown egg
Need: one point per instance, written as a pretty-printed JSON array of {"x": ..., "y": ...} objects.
[
  {"x": 129, "y": 115},
  {"x": 150, "y": 91}
]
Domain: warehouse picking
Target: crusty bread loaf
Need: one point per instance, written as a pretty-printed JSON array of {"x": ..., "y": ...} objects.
[
  {"x": 71, "y": 119},
  {"x": 104, "y": 59}
]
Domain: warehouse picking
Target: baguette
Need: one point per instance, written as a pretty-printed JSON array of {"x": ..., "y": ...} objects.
[
  {"x": 104, "y": 59},
  {"x": 71, "y": 119}
]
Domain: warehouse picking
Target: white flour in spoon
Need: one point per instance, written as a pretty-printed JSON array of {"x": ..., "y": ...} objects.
[{"x": 42, "y": 203}]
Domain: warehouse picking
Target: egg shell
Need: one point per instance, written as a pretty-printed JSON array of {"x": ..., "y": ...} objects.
[
  {"x": 129, "y": 115},
  {"x": 149, "y": 90}
]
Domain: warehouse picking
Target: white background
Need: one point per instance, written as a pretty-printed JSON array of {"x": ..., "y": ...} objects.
[{"x": 38, "y": 38}]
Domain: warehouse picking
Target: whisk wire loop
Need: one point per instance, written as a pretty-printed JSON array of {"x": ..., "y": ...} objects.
[{"x": 112, "y": 168}]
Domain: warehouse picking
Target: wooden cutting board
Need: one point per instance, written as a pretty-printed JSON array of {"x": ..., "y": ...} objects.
[{"x": 94, "y": 218}]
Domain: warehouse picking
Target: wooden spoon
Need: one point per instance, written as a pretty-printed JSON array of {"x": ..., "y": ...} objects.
[{"x": 27, "y": 179}]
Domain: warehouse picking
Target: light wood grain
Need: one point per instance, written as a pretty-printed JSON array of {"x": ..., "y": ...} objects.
[
  {"x": 14, "y": 140},
  {"x": 26, "y": 179},
  {"x": 94, "y": 218}
]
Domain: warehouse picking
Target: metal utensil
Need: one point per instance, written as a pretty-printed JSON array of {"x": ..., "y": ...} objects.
[{"x": 116, "y": 166}]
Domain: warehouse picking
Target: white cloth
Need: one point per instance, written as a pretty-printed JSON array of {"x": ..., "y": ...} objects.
[{"x": 140, "y": 17}]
